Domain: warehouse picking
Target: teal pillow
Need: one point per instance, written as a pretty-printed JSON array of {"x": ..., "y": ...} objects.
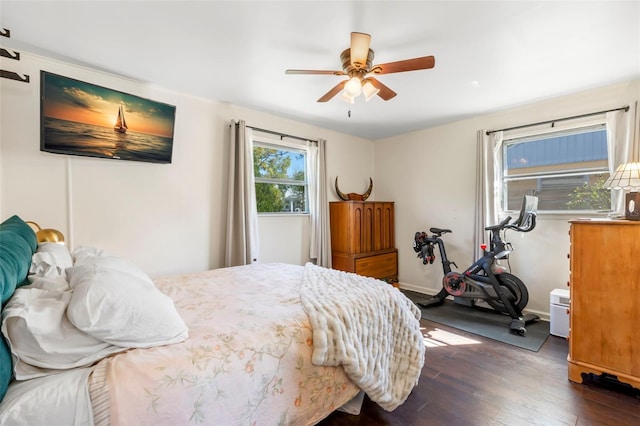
[
  {"x": 6, "y": 367},
  {"x": 17, "y": 244},
  {"x": 15, "y": 259},
  {"x": 17, "y": 225}
]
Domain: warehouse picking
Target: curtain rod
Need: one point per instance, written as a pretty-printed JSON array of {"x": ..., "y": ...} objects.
[
  {"x": 625, "y": 108},
  {"x": 282, "y": 135}
]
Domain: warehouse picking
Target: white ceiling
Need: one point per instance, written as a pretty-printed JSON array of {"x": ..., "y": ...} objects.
[{"x": 490, "y": 55}]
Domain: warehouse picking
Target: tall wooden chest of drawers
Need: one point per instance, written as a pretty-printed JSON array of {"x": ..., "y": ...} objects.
[
  {"x": 604, "y": 314},
  {"x": 363, "y": 238}
]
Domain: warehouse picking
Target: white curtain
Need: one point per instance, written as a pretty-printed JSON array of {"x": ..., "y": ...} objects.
[
  {"x": 619, "y": 145},
  {"x": 242, "y": 214},
  {"x": 320, "y": 246},
  {"x": 488, "y": 186}
]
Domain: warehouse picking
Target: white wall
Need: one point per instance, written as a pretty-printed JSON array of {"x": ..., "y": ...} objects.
[
  {"x": 166, "y": 218},
  {"x": 430, "y": 174}
]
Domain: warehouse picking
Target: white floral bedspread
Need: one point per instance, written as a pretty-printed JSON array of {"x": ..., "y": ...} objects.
[{"x": 247, "y": 360}]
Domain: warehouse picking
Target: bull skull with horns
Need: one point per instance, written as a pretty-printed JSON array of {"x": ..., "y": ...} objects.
[{"x": 352, "y": 196}]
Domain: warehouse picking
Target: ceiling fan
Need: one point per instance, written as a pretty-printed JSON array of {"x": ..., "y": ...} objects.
[{"x": 357, "y": 65}]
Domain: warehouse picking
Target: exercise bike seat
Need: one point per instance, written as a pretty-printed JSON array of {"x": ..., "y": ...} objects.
[{"x": 439, "y": 231}]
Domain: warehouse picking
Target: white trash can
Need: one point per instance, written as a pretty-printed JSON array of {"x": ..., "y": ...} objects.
[{"x": 559, "y": 312}]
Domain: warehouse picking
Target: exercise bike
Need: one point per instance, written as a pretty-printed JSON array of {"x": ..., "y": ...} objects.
[{"x": 485, "y": 279}]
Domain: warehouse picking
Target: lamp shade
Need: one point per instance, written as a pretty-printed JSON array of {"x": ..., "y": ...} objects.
[
  {"x": 369, "y": 90},
  {"x": 353, "y": 87},
  {"x": 626, "y": 176},
  {"x": 348, "y": 99},
  {"x": 49, "y": 235}
]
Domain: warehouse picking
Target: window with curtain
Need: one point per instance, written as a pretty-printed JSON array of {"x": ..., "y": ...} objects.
[
  {"x": 281, "y": 176},
  {"x": 566, "y": 170}
]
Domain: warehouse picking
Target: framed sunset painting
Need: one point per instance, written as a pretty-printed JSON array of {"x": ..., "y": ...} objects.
[{"x": 79, "y": 118}]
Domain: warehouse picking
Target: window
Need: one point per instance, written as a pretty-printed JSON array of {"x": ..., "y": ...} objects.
[
  {"x": 565, "y": 170},
  {"x": 280, "y": 171}
]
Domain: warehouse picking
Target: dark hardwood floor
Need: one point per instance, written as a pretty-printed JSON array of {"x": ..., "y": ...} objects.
[{"x": 470, "y": 380}]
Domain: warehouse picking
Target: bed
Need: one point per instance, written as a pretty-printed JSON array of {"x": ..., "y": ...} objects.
[{"x": 88, "y": 338}]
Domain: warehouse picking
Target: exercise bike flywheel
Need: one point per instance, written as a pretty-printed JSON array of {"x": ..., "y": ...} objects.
[{"x": 454, "y": 283}]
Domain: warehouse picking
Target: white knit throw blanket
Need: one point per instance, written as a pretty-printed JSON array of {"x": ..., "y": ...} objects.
[{"x": 368, "y": 327}]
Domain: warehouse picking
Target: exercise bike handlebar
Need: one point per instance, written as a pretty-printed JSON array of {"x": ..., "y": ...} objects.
[
  {"x": 525, "y": 224},
  {"x": 502, "y": 225}
]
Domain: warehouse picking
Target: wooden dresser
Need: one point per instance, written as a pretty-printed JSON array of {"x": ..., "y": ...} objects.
[
  {"x": 604, "y": 315},
  {"x": 363, "y": 238}
]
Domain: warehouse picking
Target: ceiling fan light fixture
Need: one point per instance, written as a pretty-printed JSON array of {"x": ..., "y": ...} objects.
[
  {"x": 353, "y": 87},
  {"x": 357, "y": 64},
  {"x": 348, "y": 99},
  {"x": 369, "y": 90}
]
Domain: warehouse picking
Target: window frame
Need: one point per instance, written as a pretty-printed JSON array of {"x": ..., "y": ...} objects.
[
  {"x": 282, "y": 145},
  {"x": 512, "y": 137}
]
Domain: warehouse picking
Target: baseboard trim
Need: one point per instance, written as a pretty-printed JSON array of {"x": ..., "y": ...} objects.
[{"x": 418, "y": 289}]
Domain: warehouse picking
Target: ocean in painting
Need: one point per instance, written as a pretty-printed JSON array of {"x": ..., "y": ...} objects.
[{"x": 69, "y": 137}]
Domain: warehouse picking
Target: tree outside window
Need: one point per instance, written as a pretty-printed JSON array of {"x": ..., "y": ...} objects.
[{"x": 280, "y": 178}]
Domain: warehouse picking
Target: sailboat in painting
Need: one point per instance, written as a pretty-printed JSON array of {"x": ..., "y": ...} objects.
[{"x": 121, "y": 124}]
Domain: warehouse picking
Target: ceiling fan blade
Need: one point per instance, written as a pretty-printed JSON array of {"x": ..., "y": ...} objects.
[
  {"x": 359, "y": 49},
  {"x": 321, "y": 72},
  {"x": 334, "y": 91},
  {"x": 385, "y": 93},
  {"x": 414, "y": 64}
]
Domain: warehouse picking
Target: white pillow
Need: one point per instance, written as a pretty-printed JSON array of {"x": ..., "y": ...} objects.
[
  {"x": 116, "y": 302},
  {"x": 57, "y": 283},
  {"x": 114, "y": 263},
  {"x": 82, "y": 252},
  {"x": 61, "y": 399},
  {"x": 40, "y": 335},
  {"x": 50, "y": 260}
]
